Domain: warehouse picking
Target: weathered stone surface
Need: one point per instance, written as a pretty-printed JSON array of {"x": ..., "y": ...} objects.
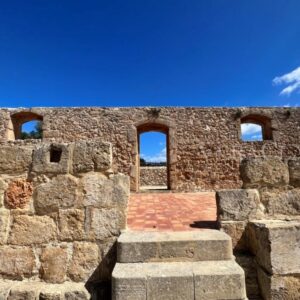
[
  {"x": 238, "y": 205},
  {"x": 28, "y": 230},
  {"x": 18, "y": 193},
  {"x": 71, "y": 224},
  {"x": 100, "y": 191},
  {"x": 55, "y": 295},
  {"x": 276, "y": 245},
  {"x": 24, "y": 292},
  {"x": 15, "y": 159},
  {"x": 103, "y": 223},
  {"x": 92, "y": 155},
  {"x": 248, "y": 264},
  {"x": 172, "y": 281},
  {"x": 3, "y": 186},
  {"x": 294, "y": 170},
  {"x": 54, "y": 264},
  {"x": 16, "y": 262},
  {"x": 4, "y": 225},
  {"x": 153, "y": 176},
  {"x": 278, "y": 287},
  {"x": 219, "y": 280},
  {"x": 42, "y": 163},
  {"x": 60, "y": 192},
  {"x": 236, "y": 230},
  {"x": 5, "y": 289},
  {"x": 76, "y": 295},
  {"x": 173, "y": 246},
  {"x": 281, "y": 202},
  {"x": 259, "y": 172},
  {"x": 85, "y": 260}
]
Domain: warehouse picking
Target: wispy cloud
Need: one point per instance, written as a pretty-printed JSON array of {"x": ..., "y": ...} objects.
[
  {"x": 158, "y": 157},
  {"x": 292, "y": 79},
  {"x": 249, "y": 128}
]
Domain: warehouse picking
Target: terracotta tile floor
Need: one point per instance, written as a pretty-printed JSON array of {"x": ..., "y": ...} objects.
[{"x": 171, "y": 211}]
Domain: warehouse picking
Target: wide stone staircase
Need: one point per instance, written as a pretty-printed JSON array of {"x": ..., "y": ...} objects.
[{"x": 176, "y": 265}]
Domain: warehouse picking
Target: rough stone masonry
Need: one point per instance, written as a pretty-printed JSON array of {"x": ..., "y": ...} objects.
[{"x": 63, "y": 199}]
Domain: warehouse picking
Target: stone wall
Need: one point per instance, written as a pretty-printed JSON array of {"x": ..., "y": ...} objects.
[
  {"x": 205, "y": 148},
  {"x": 263, "y": 220},
  {"x": 153, "y": 176},
  {"x": 59, "y": 219}
]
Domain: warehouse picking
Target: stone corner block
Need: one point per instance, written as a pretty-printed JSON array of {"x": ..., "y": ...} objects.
[
  {"x": 294, "y": 170},
  {"x": 238, "y": 205}
]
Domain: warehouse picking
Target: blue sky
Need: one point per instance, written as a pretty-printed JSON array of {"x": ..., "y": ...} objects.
[
  {"x": 157, "y": 52},
  {"x": 125, "y": 53}
]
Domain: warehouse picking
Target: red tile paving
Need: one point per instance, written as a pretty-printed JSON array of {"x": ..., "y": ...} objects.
[{"x": 171, "y": 211}]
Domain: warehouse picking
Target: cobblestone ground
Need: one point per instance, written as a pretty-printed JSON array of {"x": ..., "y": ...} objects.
[{"x": 171, "y": 211}]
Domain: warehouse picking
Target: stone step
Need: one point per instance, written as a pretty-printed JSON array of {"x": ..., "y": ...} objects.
[
  {"x": 201, "y": 245},
  {"x": 213, "y": 280}
]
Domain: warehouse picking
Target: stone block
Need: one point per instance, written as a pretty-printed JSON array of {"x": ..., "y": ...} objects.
[
  {"x": 52, "y": 159},
  {"x": 54, "y": 264},
  {"x": 236, "y": 230},
  {"x": 29, "y": 291},
  {"x": 218, "y": 280},
  {"x": 18, "y": 193},
  {"x": 102, "y": 223},
  {"x": 5, "y": 289},
  {"x": 60, "y": 192},
  {"x": 93, "y": 155},
  {"x": 238, "y": 205},
  {"x": 281, "y": 202},
  {"x": 28, "y": 230},
  {"x": 257, "y": 172},
  {"x": 71, "y": 225},
  {"x": 278, "y": 287},
  {"x": 3, "y": 186},
  {"x": 4, "y": 225},
  {"x": 85, "y": 260},
  {"x": 100, "y": 191},
  {"x": 15, "y": 159},
  {"x": 276, "y": 245},
  {"x": 294, "y": 171},
  {"x": 141, "y": 246},
  {"x": 16, "y": 262},
  {"x": 170, "y": 282}
]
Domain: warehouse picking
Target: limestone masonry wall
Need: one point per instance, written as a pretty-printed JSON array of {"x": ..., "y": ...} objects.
[
  {"x": 153, "y": 176},
  {"x": 59, "y": 220},
  {"x": 205, "y": 148}
]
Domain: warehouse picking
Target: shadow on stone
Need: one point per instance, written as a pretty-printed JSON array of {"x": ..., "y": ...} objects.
[{"x": 205, "y": 224}]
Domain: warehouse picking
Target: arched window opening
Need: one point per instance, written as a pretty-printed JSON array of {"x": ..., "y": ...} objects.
[
  {"x": 26, "y": 125},
  {"x": 256, "y": 128},
  {"x": 153, "y": 170}
]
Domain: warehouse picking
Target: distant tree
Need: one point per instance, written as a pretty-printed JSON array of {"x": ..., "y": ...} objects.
[
  {"x": 143, "y": 162},
  {"x": 37, "y": 133}
]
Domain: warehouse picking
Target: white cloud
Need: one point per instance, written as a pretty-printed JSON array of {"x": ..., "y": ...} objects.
[
  {"x": 292, "y": 79},
  {"x": 249, "y": 128},
  {"x": 158, "y": 157}
]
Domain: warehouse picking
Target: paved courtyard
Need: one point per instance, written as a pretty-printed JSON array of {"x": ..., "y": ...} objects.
[{"x": 171, "y": 211}]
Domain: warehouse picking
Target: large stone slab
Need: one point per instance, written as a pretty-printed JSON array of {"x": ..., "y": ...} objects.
[
  {"x": 92, "y": 155},
  {"x": 294, "y": 170},
  {"x": 52, "y": 158},
  {"x": 216, "y": 280},
  {"x": 85, "y": 260},
  {"x": 4, "y": 225},
  {"x": 278, "y": 287},
  {"x": 259, "y": 172},
  {"x": 276, "y": 245},
  {"x": 281, "y": 202},
  {"x": 54, "y": 264},
  {"x": 15, "y": 159},
  {"x": 16, "y": 262},
  {"x": 238, "y": 205},
  {"x": 101, "y": 191},
  {"x": 173, "y": 246},
  {"x": 60, "y": 192},
  {"x": 179, "y": 280},
  {"x": 28, "y": 230},
  {"x": 102, "y": 223}
]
